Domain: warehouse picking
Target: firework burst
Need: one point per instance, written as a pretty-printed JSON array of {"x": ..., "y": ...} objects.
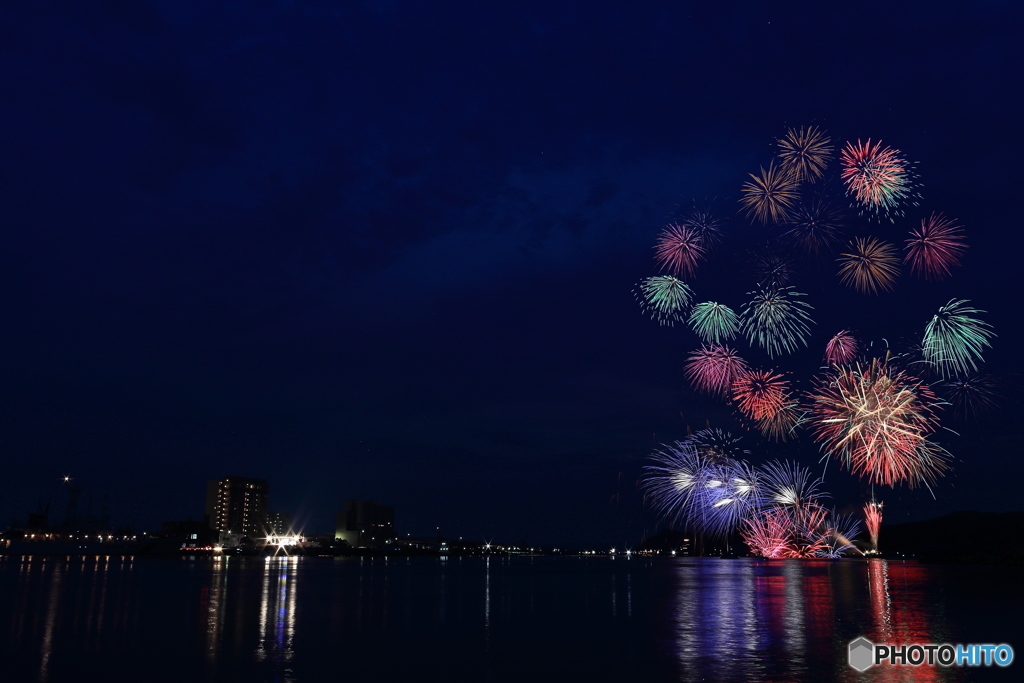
[
  {"x": 870, "y": 266},
  {"x": 781, "y": 425},
  {"x": 953, "y": 339},
  {"x": 970, "y": 396},
  {"x": 705, "y": 224},
  {"x": 805, "y": 153},
  {"x": 877, "y": 177},
  {"x": 787, "y": 483},
  {"x": 710, "y": 493},
  {"x": 935, "y": 248},
  {"x": 714, "y": 322},
  {"x": 717, "y": 443},
  {"x": 841, "y": 349},
  {"x": 777, "y": 320},
  {"x": 768, "y": 196},
  {"x": 815, "y": 225},
  {"x": 759, "y": 394},
  {"x": 713, "y": 369},
  {"x": 664, "y": 297},
  {"x": 877, "y": 420},
  {"x": 772, "y": 268},
  {"x": 678, "y": 249}
]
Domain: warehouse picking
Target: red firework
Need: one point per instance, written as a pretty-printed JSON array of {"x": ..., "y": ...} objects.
[
  {"x": 768, "y": 534},
  {"x": 760, "y": 394},
  {"x": 935, "y": 247},
  {"x": 873, "y": 520},
  {"x": 877, "y": 420},
  {"x": 877, "y": 177},
  {"x": 841, "y": 348},
  {"x": 788, "y": 532},
  {"x": 678, "y": 249},
  {"x": 714, "y": 369}
]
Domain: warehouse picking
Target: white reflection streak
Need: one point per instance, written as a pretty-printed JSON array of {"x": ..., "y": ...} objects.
[
  {"x": 793, "y": 611},
  {"x": 51, "y": 618},
  {"x": 261, "y": 652},
  {"x": 215, "y": 608},
  {"x": 277, "y": 613}
]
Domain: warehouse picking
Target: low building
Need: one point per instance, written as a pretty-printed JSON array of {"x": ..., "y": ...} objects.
[{"x": 365, "y": 524}]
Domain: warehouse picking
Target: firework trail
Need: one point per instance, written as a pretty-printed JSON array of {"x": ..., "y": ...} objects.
[
  {"x": 678, "y": 249},
  {"x": 714, "y": 322},
  {"x": 873, "y": 521},
  {"x": 759, "y": 394},
  {"x": 805, "y": 153},
  {"x": 776, "y": 320},
  {"x": 953, "y": 340},
  {"x": 768, "y": 196},
  {"x": 870, "y": 266},
  {"x": 877, "y": 177},
  {"x": 713, "y": 369},
  {"x": 935, "y": 248},
  {"x": 876, "y": 420},
  {"x": 841, "y": 349},
  {"x": 816, "y": 225},
  {"x": 664, "y": 297}
]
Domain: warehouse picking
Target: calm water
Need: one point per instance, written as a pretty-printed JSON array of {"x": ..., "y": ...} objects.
[{"x": 474, "y": 619}]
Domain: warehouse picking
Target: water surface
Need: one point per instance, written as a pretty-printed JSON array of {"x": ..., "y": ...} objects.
[{"x": 489, "y": 619}]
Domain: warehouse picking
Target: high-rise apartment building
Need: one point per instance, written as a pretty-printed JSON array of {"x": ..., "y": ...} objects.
[
  {"x": 279, "y": 523},
  {"x": 238, "y": 505}
]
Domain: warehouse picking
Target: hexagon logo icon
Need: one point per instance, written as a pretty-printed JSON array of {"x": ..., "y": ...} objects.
[{"x": 862, "y": 654}]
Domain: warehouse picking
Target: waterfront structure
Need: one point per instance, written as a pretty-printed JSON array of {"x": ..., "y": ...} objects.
[
  {"x": 365, "y": 524},
  {"x": 238, "y": 505}
]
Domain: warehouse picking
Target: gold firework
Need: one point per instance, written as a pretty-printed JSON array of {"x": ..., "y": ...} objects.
[
  {"x": 871, "y": 265},
  {"x": 805, "y": 152},
  {"x": 768, "y": 196}
]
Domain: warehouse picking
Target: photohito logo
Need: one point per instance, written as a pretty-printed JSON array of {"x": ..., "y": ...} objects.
[{"x": 864, "y": 654}]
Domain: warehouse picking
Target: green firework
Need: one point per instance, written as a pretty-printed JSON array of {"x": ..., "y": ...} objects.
[
  {"x": 714, "y": 322},
  {"x": 953, "y": 339},
  {"x": 665, "y": 298},
  {"x": 777, "y": 320}
]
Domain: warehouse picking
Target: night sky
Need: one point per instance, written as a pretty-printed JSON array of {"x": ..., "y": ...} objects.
[{"x": 386, "y": 250}]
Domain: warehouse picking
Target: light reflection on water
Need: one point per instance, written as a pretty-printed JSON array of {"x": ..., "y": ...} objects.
[
  {"x": 476, "y": 619},
  {"x": 777, "y": 619}
]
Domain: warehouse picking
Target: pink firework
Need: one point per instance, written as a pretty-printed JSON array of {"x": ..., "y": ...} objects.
[
  {"x": 935, "y": 248},
  {"x": 714, "y": 369},
  {"x": 678, "y": 249},
  {"x": 760, "y": 394},
  {"x": 841, "y": 349},
  {"x": 873, "y": 520}
]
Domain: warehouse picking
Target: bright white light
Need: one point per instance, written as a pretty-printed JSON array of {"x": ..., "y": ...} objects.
[{"x": 724, "y": 501}]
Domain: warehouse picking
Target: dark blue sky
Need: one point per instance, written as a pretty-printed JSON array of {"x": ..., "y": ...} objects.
[{"x": 386, "y": 250}]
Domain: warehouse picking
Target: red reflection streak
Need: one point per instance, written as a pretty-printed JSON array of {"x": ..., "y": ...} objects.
[
  {"x": 818, "y": 605},
  {"x": 772, "y": 600},
  {"x": 896, "y": 602}
]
